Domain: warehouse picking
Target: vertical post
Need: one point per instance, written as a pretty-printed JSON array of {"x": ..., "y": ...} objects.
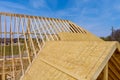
[
  {"x": 105, "y": 72},
  {"x": 3, "y": 76},
  {"x": 29, "y": 40},
  {"x": 11, "y": 42}
]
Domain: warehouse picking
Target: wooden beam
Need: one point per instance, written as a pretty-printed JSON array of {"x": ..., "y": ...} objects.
[
  {"x": 116, "y": 64},
  {"x": 23, "y": 16},
  {"x": 112, "y": 74},
  {"x": 115, "y": 71},
  {"x": 105, "y": 72}
]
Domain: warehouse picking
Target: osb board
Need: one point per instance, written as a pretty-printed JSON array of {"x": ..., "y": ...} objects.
[
  {"x": 78, "y": 37},
  {"x": 40, "y": 70},
  {"x": 83, "y": 60},
  {"x": 69, "y": 60}
]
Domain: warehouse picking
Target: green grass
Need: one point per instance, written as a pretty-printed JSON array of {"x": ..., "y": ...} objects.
[{"x": 8, "y": 50}]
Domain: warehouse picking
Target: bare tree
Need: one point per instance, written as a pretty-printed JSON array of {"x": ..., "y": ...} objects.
[{"x": 115, "y": 36}]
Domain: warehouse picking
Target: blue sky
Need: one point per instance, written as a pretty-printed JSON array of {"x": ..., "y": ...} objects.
[{"x": 97, "y": 16}]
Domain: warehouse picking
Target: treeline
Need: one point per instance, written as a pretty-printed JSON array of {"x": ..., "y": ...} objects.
[{"x": 114, "y": 36}]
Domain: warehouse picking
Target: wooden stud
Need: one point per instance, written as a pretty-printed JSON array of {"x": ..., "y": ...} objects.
[
  {"x": 26, "y": 45},
  {"x": 20, "y": 53},
  {"x": 105, "y": 72},
  {"x": 32, "y": 26},
  {"x": 39, "y": 31},
  {"x": 3, "y": 77},
  {"x": 11, "y": 37},
  {"x": 43, "y": 28}
]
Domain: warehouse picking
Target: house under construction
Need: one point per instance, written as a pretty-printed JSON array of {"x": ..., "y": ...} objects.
[{"x": 40, "y": 48}]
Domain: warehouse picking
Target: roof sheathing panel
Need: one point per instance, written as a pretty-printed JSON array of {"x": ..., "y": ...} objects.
[{"x": 81, "y": 60}]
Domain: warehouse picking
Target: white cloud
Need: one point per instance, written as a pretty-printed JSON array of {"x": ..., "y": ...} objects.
[
  {"x": 12, "y": 5},
  {"x": 38, "y": 3}
]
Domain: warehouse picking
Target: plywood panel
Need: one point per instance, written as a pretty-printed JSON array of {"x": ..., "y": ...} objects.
[
  {"x": 64, "y": 36},
  {"x": 42, "y": 71},
  {"x": 81, "y": 59}
]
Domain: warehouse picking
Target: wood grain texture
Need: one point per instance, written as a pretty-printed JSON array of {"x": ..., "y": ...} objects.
[{"x": 81, "y": 60}]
